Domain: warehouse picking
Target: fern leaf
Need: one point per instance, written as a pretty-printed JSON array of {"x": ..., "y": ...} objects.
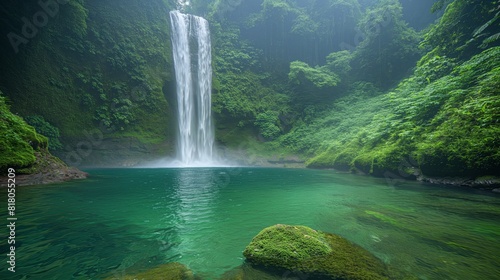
[{"x": 490, "y": 40}]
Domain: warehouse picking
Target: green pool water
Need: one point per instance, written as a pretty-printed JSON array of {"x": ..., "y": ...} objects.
[{"x": 128, "y": 220}]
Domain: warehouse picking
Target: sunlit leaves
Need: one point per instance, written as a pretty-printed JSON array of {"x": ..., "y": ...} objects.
[
  {"x": 339, "y": 62},
  {"x": 459, "y": 29},
  {"x": 18, "y": 140},
  {"x": 268, "y": 124},
  {"x": 320, "y": 77},
  {"x": 447, "y": 115}
]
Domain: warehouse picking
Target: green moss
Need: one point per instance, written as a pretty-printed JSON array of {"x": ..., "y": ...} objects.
[
  {"x": 284, "y": 245},
  {"x": 23, "y": 149},
  {"x": 341, "y": 159},
  {"x": 18, "y": 140},
  {"x": 347, "y": 261},
  {"x": 314, "y": 253}
]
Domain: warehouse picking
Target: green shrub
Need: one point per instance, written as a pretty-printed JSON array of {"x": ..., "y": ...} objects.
[
  {"x": 268, "y": 124},
  {"x": 46, "y": 129},
  {"x": 18, "y": 140}
]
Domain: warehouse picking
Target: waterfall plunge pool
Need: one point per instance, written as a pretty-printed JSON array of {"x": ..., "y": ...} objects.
[{"x": 129, "y": 220}]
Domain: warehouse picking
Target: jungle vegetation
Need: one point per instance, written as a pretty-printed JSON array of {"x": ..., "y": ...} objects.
[{"x": 374, "y": 86}]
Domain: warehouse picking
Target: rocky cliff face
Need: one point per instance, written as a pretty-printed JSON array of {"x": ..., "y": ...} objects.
[
  {"x": 24, "y": 156},
  {"x": 92, "y": 68}
]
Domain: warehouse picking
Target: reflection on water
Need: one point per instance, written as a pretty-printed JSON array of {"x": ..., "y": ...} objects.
[{"x": 195, "y": 190}]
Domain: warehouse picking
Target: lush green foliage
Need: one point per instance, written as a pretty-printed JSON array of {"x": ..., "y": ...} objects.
[
  {"x": 340, "y": 116},
  {"x": 339, "y": 63},
  {"x": 43, "y": 127},
  {"x": 329, "y": 79},
  {"x": 245, "y": 95},
  {"x": 449, "y": 123},
  {"x": 105, "y": 65},
  {"x": 340, "y": 121},
  {"x": 287, "y": 30},
  {"x": 76, "y": 15},
  {"x": 301, "y": 73},
  {"x": 442, "y": 120},
  {"x": 389, "y": 48},
  {"x": 454, "y": 35},
  {"x": 269, "y": 124},
  {"x": 481, "y": 31},
  {"x": 465, "y": 133},
  {"x": 18, "y": 140}
]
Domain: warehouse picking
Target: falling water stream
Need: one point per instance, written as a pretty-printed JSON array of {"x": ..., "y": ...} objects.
[{"x": 193, "y": 72}]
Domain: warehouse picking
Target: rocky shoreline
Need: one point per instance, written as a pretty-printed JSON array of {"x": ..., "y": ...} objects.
[
  {"x": 50, "y": 177},
  {"x": 50, "y": 169},
  {"x": 490, "y": 183},
  {"x": 47, "y": 170}
]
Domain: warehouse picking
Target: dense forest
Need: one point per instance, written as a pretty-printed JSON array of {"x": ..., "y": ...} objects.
[{"x": 400, "y": 89}]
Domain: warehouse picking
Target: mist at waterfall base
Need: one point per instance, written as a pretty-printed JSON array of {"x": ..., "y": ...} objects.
[{"x": 193, "y": 73}]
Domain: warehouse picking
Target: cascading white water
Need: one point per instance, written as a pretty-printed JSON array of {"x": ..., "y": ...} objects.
[{"x": 193, "y": 72}]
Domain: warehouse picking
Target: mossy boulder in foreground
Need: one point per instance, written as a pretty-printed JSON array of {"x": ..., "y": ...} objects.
[{"x": 316, "y": 254}]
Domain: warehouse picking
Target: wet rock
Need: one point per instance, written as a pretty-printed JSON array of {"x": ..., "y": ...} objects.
[
  {"x": 46, "y": 170},
  {"x": 302, "y": 251}
]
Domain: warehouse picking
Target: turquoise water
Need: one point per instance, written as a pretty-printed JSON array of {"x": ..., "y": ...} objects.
[{"x": 127, "y": 220}]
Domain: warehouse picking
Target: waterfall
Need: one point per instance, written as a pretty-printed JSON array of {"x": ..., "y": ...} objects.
[{"x": 193, "y": 73}]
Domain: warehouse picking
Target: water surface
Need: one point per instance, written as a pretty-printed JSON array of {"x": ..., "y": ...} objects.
[{"x": 128, "y": 220}]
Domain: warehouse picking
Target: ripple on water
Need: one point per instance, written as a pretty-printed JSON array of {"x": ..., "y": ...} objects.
[{"x": 205, "y": 217}]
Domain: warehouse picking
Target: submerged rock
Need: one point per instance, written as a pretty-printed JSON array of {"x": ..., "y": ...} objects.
[
  {"x": 169, "y": 271},
  {"x": 300, "y": 250}
]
